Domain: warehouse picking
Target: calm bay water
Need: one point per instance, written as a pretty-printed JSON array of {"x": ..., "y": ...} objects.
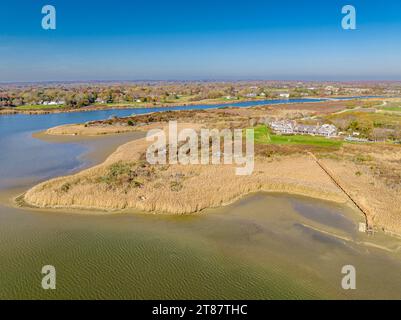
[
  {"x": 260, "y": 247},
  {"x": 265, "y": 246}
]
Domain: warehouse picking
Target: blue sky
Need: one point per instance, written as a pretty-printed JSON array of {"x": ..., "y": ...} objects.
[{"x": 128, "y": 40}]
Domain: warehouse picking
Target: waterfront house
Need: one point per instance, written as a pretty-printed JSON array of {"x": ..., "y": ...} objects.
[
  {"x": 53, "y": 103},
  {"x": 291, "y": 127},
  {"x": 282, "y": 127},
  {"x": 327, "y": 130}
]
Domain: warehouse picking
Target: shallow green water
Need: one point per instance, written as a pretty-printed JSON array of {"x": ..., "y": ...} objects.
[{"x": 260, "y": 247}]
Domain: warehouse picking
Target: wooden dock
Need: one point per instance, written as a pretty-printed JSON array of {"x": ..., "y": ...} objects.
[{"x": 369, "y": 229}]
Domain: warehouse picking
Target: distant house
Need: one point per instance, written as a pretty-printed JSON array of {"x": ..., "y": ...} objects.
[
  {"x": 284, "y": 95},
  {"x": 291, "y": 127},
  {"x": 52, "y": 103},
  {"x": 354, "y": 139},
  {"x": 391, "y": 91},
  {"x": 327, "y": 130},
  {"x": 98, "y": 100}
]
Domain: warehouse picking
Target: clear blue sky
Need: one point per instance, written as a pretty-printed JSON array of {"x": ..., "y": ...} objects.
[{"x": 203, "y": 39}]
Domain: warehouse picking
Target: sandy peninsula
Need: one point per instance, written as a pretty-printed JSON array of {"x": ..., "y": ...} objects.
[
  {"x": 126, "y": 181},
  {"x": 366, "y": 173}
]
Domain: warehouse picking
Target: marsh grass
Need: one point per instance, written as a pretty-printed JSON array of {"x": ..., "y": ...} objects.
[
  {"x": 361, "y": 158},
  {"x": 40, "y": 106}
]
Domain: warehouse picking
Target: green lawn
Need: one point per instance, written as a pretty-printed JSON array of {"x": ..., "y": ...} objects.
[
  {"x": 394, "y": 108},
  {"x": 39, "y": 106},
  {"x": 264, "y": 136}
]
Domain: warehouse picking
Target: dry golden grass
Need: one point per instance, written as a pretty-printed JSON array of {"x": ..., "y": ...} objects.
[
  {"x": 372, "y": 175},
  {"x": 179, "y": 189}
]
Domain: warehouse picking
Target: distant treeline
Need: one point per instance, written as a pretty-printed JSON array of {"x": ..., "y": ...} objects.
[{"x": 79, "y": 95}]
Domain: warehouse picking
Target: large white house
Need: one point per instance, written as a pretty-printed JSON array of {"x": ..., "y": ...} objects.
[
  {"x": 327, "y": 130},
  {"x": 283, "y": 127},
  {"x": 52, "y": 103},
  {"x": 291, "y": 127}
]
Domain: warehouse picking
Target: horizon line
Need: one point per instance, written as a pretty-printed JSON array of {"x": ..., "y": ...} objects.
[{"x": 196, "y": 80}]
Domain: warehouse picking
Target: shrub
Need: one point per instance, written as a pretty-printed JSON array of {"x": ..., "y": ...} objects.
[
  {"x": 176, "y": 186},
  {"x": 65, "y": 187},
  {"x": 115, "y": 172},
  {"x": 363, "y": 158},
  {"x": 123, "y": 174},
  {"x": 137, "y": 184}
]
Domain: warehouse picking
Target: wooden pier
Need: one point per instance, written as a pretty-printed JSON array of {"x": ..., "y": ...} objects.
[{"x": 369, "y": 228}]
